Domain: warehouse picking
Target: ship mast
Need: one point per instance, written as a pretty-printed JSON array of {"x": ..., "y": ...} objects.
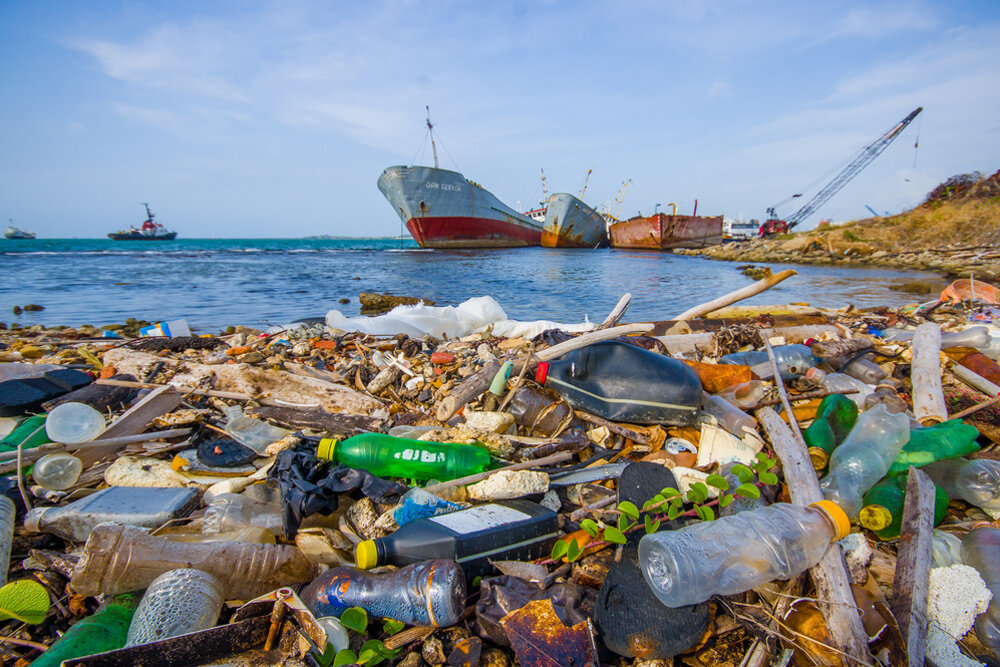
[
  {"x": 545, "y": 189},
  {"x": 430, "y": 128}
]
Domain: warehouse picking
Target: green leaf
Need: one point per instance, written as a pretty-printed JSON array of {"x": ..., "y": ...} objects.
[
  {"x": 744, "y": 473},
  {"x": 748, "y": 491},
  {"x": 651, "y": 526},
  {"x": 672, "y": 512},
  {"x": 761, "y": 457},
  {"x": 698, "y": 493},
  {"x": 677, "y": 501},
  {"x": 326, "y": 659},
  {"x": 725, "y": 500},
  {"x": 613, "y": 535},
  {"x": 768, "y": 478},
  {"x": 26, "y": 600},
  {"x": 669, "y": 492},
  {"x": 475, "y": 582},
  {"x": 391, "y": 626},
  {"x": 591, "y": 527},
  {"x": 704, "y": 513},
  {"x": 718, "y": 481},
  {"x": 345, "y": 656},
  {"x": 574, "y": 551},
  {"x": 623, "y": 523},
  {"x": 355, "y": 618},
  {"x": 559, "y": 549},
  {"x": 653, "y": 503},
  {"x": 369, "y": 657},
  {"x": 629, "y": 509}
]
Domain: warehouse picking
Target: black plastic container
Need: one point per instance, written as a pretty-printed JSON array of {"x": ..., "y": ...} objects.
[{"x": 28, "y": 394}]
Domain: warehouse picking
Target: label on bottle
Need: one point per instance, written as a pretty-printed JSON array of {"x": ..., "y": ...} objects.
[{"x": 480, "y": 518}]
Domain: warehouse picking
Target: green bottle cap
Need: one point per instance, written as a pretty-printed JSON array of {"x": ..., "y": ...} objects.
[{"x": 326, "y": 449}]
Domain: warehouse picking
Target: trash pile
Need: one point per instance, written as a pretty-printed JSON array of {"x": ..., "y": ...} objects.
[{"x": 736, "y": 486}]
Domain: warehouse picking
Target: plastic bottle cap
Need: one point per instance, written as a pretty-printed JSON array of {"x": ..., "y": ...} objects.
[
  {"x": 542, "y": 372},
  {"x": 875, "y": 517},
  {"x": 841, "y": 523},
  {"x": 815, "y": 374},
  {"x": 326, "y": 449},
  {"x": 366, "y": 555},
  {"x": 819, "y": 457}
]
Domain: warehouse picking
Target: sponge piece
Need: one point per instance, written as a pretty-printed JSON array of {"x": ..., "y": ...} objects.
[{"x": 956, "y": 596}]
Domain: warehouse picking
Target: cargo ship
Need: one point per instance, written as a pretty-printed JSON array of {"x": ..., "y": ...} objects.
[
  {"x": 665, "y": 232},
  {"x": 150, "y": 230},
  {"x": 569, "y": 223}
]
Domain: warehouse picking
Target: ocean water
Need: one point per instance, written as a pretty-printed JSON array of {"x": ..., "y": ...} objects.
[{"x": 214, "y": 283}]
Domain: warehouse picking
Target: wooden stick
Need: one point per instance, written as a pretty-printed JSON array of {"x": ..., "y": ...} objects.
[
  {"x": 976, "y": 408},
  {"x": 738, "y": 295},
  {"x": 51, "y": 447},
  {"x": 472, "y": 479},
  {"x": 590, "y": 338},
  {"x": 635, "y": 436},
  {"x": 469, "y": 390},
  {"x": 839, "y": 348},
  {"x": 913, "y": 566},
  {"x": 928, "y": 398},
  {"x": 232, "y": 395},
  {"x": 830, "y": 576},
  {"x": 779, "y": 382},
  {"x": 617, "y": 314},
  {"x": 808, "y": 396}
]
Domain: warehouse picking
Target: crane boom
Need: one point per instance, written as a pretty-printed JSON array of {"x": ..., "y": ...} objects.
[{"x": 859, "y": 162}]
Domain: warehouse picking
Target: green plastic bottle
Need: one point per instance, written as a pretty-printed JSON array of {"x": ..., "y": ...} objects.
[
  {"x": 947, "y": 440},
  {"x": 25, "y": 428},
  {"x": 105, "y": 630},
  {"x": 883, "y": 510},
  {"x": 835, "y": 418},
  {"x": 388, "y": 456}
]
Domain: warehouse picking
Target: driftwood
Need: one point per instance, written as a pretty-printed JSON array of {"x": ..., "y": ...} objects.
[
  {"x": 469, "y": 390},
  {"x": 615, "y": 316},
  {"x": 913, "y": 566},
  {"x": 839, "y": 348},
  {"x": 317, "y": 418},
  {"x": 928, "y": 398},
  {"x": 98, "y": 395},
  {"x": 230, "y": 395},
  {"x": 738, "y": 295},
  {"x": 833, "y": 586}
]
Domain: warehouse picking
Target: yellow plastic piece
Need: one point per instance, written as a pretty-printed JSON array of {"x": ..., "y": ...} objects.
[
  {"x": 326, "y": 448},
  {"x": 841, "y": 523},
  {"x": 366, "y": 555},
  {"x": 875, "y": 517},
  {"x": 819, "y": 457}
]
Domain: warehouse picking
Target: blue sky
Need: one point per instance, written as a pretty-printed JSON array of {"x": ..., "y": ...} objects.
[{"x": 274, "y": 119}]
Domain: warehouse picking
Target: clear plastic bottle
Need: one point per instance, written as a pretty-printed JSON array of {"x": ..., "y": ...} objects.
[
  {"x": 841, "y": 382},
  {"x": 864, "y": 457},
  {"x": 861, "y": 368},
  {"x": 8, "y": 515},
  {"x": 253, "y": 433},
  {"x": 981, "y": 550},
  {"x": 431, "y": 593},
  {"x": 73, "y": 423},
  {"x": 176, "y": 603},
  {"x": 736, "y": 553},
  {"x": 57, "y": 471},
  {"x": 792, "y": 360},
  {"x": 975, "y": 481},
  {"x": 978, "y": 336},
  {"x": 232, "y": 512},
  {"x": 728, "y": 415},
  {"x": 746, "y": 394},
  {"x": 946, "y": 549},
  {"x": 121, "y": 558}
]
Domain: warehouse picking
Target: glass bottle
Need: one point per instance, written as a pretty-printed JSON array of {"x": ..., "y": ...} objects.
[{"x": 104, "y": 630}]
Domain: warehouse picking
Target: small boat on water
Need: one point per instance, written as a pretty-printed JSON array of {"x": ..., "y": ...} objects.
[
  {"x": 14, "y": 233},
  {"x": 665, "y": 232},
  {"x": 150, "y": 231},
  {"x": 570, "y": 223}
]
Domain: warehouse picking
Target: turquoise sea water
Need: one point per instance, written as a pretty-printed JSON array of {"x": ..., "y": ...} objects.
[{"x": 217, "y": 282}]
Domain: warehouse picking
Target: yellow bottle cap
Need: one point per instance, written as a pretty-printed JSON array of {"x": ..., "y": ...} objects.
[
  {"x": 325, "y": 448},
  {"x": 819, "y": 457},
  {"x": 841, "y": 524},
  {"x": 875, "y": 517},
  {"x": 366, "y": 555}
]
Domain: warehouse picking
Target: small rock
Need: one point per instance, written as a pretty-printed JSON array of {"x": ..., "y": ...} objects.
[
  {"x": 857, "y": 553},
  {"x": 433, "y": 651},
  {"x": 17, "y": 310},
  {"x": 301, "y": 350},
  {"x": 252, "y": 358},
  {"x": 467, "y": 653},
  {"x": 509, "y": 484},
  {"x": 485, "y": 352},
  {"x": 442, "y": 358},
  {"x": 33, "y": 308},
  {"x": 494, "y": 657},
  {"x": 512, "y": 344},
  {"x": 411, "y": 660},
  {"x": 497, "y": 422},
  {"x": 344, "y": 300},
  {"x": 551, "y": 500},
  {"x": 363, "y": 515},
  {"x": 31, "y": 352}
]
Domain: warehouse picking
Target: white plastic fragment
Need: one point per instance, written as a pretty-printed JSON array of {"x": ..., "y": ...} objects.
[
  {"x": 509, "y": 484},
  {"x": 956, "y": 595}
]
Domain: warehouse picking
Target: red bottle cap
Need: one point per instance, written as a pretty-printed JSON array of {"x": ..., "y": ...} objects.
[{"x": 542, "y": 372}]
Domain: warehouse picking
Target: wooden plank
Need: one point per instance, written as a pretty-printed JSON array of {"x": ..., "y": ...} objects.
[
  {"x": 925, "y": 372},
  {"x": 913, "y": 566}
]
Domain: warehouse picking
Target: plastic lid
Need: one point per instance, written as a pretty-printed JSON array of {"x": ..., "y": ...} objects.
[
  {"x": 841, "y": 523},
  {"x": 815, "y": 374},
  {"x": 819, "y": 457},
  {"x": 875, "y": 517},
  {"x": 366, "y": 555},
  {"x": 326, "y": 449},
  {"x": 542, "y": 372}
]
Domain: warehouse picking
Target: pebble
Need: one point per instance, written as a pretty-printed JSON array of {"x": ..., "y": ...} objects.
[{"x": 509, "y": 484}]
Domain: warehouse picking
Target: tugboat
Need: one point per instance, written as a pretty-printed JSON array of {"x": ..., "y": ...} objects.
[
  {"x": 150, "y": 231},
  {"x": 13, "y": 232}
]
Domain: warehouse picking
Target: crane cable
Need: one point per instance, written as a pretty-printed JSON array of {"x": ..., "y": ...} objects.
[{"x": 916, "y": 143}]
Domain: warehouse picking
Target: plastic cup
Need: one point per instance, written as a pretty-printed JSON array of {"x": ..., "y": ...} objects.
[{"x": 73, "y": 423}]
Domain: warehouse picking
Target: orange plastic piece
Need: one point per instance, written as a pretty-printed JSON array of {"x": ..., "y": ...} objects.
[
  {"x": 968, "y": 288},
  {"x": 236, "y": 351},
  {"x": 107, "y": 371},
  {"x": 442, "y": 358},
  {"x": 718, "y": 377},
  {"x": 325, "y": 345}
]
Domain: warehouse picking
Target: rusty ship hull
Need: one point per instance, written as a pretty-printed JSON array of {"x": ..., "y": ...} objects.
[
  {"x": 569, "y": 223},
  {"x": 665, "y": 232},
  {"x": 443, "y": 209}
]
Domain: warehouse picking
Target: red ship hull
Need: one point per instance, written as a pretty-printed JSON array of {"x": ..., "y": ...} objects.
[
  {"x": 664, "y": 232},
  {"x": 468, "y": 232}
]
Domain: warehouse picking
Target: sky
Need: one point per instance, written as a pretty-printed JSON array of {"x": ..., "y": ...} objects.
[{"x": 259, "y": 118}]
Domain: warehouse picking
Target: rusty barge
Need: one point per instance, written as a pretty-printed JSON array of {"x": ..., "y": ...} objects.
[{"x": 662, "y": 231}]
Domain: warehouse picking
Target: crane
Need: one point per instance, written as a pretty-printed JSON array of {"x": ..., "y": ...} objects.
[
  {"x": 585, "y": 181},
  {"x": 859, "y": 161}
]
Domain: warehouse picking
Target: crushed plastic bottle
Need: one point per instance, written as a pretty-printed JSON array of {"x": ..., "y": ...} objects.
[
  {"x": 57, "y": 471},
  {"x": 231, "y": 512},
  {"x": 841, "y": 382},
  {"x": 978, "y": 336},
  {"x": 728, "y": 415},
  {"x": 386, "y": 456},
  {"x": 430, "y": 593},
  {"x": 793, "y": 360},
  {"x": 176, "y": 603},
  {"x": 736, "y": 553},
  {"x": 864, "y": 457},
  {"x": 746, "y": 395},
  {"x": 975, "y": 481},
  {"x": 946, "y": 549},
  {"x": 883, "y": 510},
  {"x": 981, "y": 550},
  {"x": 253, "y": 433}
]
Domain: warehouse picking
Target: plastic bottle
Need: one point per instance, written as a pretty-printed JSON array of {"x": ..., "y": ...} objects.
[
  {"x": 841, "y": 382},
  {"x": 728, "y": 415},
  {"x": 232, "y": 512},
  {"x": 835, "y": 418},
  {"x": 32, "y": 428},
  {"x": 253, "y": 433},
  {"x": 736, "y": 553},
  {"x": 386, "y": 456},
  {"x": 431, "y": 593},
  {"x": 947, "y": 440},
  {"x": 946, "y": 549},
  {"x": 978, "y": 336},
  {"x": 976, "y": 482},
  {"x": 864, "y": 457},
  {"x": 622, "y": 382},
  {"x": 883, "y": 510},
  {"x": 104, "y": 630},
  {"x": 539, "y": 412},
  {"x": 886, "y": 394},
  {"x": 860, "y": 368},
  {"x": 28, "y": 393},
  {"x": 176, "y": 603},
  {"x": 8, "y": 515},
  {"x": 793, "y": 360},
  {"x": 73, "y": 423},
  {"x": 252, "y": 534},
  {"x": 511, "y": 530},
  {"x": 747, "y": 394},
  {"x": 57, "y": 471},
  {"x": 121, "y": 558},
  {"x": 981, "y": 550},
  {"x": 138, "y": 506}
]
